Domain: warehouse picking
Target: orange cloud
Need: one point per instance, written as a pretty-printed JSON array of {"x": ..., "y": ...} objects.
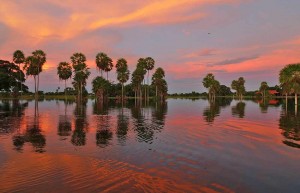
[{"x": 78, "y": 18}]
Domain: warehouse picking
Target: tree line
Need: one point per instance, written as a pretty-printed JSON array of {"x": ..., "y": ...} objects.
[
  {"x": 289, "y": 79},
  {"x": 78, "y": 71}
]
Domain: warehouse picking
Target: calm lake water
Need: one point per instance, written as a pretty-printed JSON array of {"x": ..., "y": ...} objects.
[{"x": 178, "y": 146}]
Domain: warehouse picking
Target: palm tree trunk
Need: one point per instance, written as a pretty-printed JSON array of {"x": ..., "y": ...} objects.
[
  {"x": 34, "y": 86},
  {"x": 38, "y": 84},
  {"x": 107, "y": 76},
  {"x": 20, "y": 79},
  {"x": 156, "y": 91},
  {"x": 65, "y": 88},
  {"x": 296, "y": 99},
  {"x": 148, "y": 86},
  {"x": 122, "y": 92}
]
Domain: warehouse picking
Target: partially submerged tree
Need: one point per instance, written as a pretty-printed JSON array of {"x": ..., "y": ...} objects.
[
  {"x": 239, "y": 86},
  {"x": 40, "y": 58},
  {"x": 32, "y": 69},
  {"x": 122, "y": 73},
  {"x": 138, "y": 76},
  {"x": 149, "y": 65},
  {"x": 19, "y": 58},
  {"x": 263, "y": 87},
  {"x": 100, "y": 87},
  {"x": 81, "y": 73},
  {"x": 289, "y": 78},
  {"x": 161, "y": 87},
  {"x": 212, "y": 85},
  {"x": 64, "y": 71}
]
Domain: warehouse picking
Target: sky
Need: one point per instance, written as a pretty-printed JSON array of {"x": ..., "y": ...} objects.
[{"x": 188, "y": 38}]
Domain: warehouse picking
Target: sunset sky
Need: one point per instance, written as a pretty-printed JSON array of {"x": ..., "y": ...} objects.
[{"x": 188, "y": 38}]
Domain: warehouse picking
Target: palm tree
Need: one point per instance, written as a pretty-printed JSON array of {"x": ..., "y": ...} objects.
[
  {"x": 64, "y": 71},
  {"x": 81, "y": 73},
  {"x": 289, "y": 78},
  {"x": 109, "y": 66},
  {"x": 157, "y": 78},
  {"x": 41, "y": 60},
  {"x": 101, "y": 60},
  {"x": 122, "y": 73},
  {"x": 104, "y": 63},
  {"x": 32, "y": 69},
  {"x": 19, "y": 58},
  {"x": 263, "y": 87},
  {"x": 149, "y": 65}
]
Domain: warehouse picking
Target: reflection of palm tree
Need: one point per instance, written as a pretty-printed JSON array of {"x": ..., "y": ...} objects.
[
  {"x": 289, "y": 122},
  {"x": 103, "y": 137},
  {"x": 239, "y": 110},
  {"x": 159, "y": 115},
  {"x": 81, "y": 126},
  {"x": 64, "y": 124},
  {"x": 32, "y": 135},
  {"x": 211, "y": 112},
  {"x": 214, "y": 109},
  {"x": 122, "y": 127}
]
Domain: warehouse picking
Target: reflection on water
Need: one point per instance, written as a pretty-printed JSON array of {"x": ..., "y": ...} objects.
[
  {"x": 290, "y": 124},
  {"x": 177, "y": 145},
  {"x": 214, "y": 108},
  {"x": 81, "y": 125}
]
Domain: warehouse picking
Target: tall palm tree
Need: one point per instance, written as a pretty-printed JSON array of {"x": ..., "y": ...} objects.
[
  {"x": 137, "y": 78},
  {"x": 289, "y": 77},
  {"x": 108, "y": 67},
  {"x": 101, "y": 60},
  {"x": 64, "y": 71},
  {"x": 19, "y": 58},
  {"x": 32, "y": 69},
  {"x": 263, "y": 87},
  {"x": 81, "y": 73},
  {"x": 149, "y": 65},
  {"x": 157, "y": 78},
  {"x": 41, "y": 60},
  {"x": 122, "y": 73}
]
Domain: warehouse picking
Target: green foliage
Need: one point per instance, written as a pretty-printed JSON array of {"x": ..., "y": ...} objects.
[
  {"x": 212, "y": 84},
  {"x": 159, "y": 82},
  {"x": 31, "y": 66},
  {"x": 18, "y": 57},
  {"x": 81, "y": 73},
  {"x": 149, "y": 63},
  {"x": 122, "y": 71},
  {"x": 224, "y": 91},
  {"x": 64, "y": 71},
  {"x": 11, "y": 77},
  {"x": 289, "y": 78},
  {"x": 239, "y": 86},
  {"x": 103, "y": 62},
  {"x": 121, "y": 65},
  {"x": 100, "y": 83}
]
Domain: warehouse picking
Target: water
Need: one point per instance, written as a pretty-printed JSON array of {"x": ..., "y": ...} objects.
[{"x": 178, "y": 146}]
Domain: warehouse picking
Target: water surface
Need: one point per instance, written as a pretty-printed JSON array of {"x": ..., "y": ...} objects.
[{"x": 176, "y": 146}]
